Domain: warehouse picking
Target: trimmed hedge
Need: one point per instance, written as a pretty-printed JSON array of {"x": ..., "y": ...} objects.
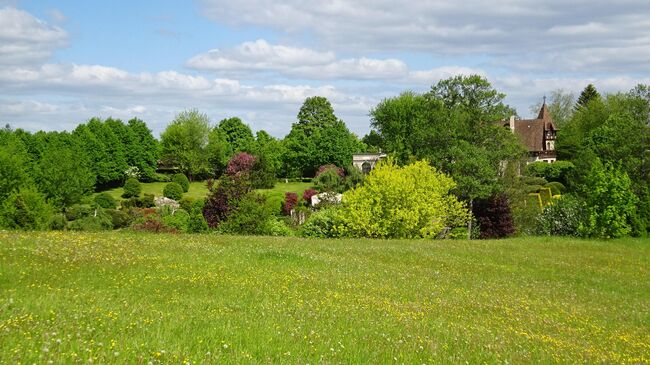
[{"x": 173, "y": 191}]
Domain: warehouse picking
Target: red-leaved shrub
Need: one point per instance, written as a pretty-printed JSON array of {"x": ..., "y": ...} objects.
[
  {"x": 222, "y": 200},
  {"x": 494, "y": 217},
  {"x": 290, "y": 202},
  {"x": 307, "y": 194}
]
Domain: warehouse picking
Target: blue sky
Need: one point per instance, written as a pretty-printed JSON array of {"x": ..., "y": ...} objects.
[{"x": 63, "y": 62}]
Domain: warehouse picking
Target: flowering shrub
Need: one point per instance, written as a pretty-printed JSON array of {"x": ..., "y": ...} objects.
[
  {"x": 241, "y": 163},
  {"x": 290, "y": 202}
]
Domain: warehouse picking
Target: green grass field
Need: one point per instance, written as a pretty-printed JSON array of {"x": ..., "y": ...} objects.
[
  {"x": 136, "y": 298},
  {"x": 199, "y": 189}
]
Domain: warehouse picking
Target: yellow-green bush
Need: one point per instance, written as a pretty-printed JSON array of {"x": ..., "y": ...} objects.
[{"x": 401, "y": 202}]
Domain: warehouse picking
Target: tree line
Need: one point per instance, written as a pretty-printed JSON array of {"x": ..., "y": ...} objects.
[{"x": 598, "y": 187}]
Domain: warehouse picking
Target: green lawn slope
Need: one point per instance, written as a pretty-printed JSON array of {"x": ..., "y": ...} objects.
[{"x": 136, "y": 298}]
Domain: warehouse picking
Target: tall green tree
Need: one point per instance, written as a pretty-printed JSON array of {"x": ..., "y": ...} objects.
[
  {"x": 184, "y": 143},
  {"x": 588, "y": 94},
  {"x": 145, "y": 149},
  {"x": 453, "y": 126},
  {"x": 318, "y": 138},
  {"x": 14, "y": 164},
  {"x": 270, "y": 149},
  {"x": 612, "y": 129},
  {"x": 63, "y": 172},
  {"x": 238, "y": 134},
  {"x": 115, "y": 161},
  {"x": 218, "y": 150},
  {"x": 610, "y": 201},
  {"x": 316, "y": 112}
]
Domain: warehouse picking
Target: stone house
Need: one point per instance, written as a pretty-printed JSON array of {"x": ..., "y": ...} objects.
[{"x": 365, "y": 162}]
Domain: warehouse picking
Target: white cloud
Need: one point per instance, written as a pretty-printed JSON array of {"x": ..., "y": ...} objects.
[
  {"x": 512, "y": 32},
  {"x": 433, "y": 75},
  {"x": 295, "y": 62},
  {"x": 258, "y": 55},
  {"x": 27, "y": 39}
]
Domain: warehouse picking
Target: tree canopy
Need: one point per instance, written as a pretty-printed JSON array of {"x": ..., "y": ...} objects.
[{"x": 184, "y": 143}]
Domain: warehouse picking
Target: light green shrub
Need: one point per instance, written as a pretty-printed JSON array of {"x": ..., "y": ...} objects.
[{"x": 401, "y": 202}]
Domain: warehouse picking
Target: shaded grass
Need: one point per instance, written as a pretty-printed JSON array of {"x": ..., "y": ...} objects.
[{"x": 123, "y": 297}]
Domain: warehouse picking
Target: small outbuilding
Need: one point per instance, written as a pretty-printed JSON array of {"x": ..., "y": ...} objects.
[{"x": 365, "y": 162}]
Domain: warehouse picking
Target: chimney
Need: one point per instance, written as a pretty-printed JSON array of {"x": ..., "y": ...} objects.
[{"x": 512, "y": 123}]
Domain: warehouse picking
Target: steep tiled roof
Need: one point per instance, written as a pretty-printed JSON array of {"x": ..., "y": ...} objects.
[{"x": 531, "y": 133}]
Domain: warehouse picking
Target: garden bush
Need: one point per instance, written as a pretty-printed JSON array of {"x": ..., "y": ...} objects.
[
  {"x": 77, "y": 211},
  {"x": 119, "y": 218},
  {"x": 567, "y": 216},
  {"x": 132, "y": 188},
  {"x": 183, "y": 181},
  {"x": 330, "y": 179},
  {"x": 99, "y": 220},
  {"x": 532, "y": 188},
  {"x": 153, "y": 223},
  {"x": 105, "y": 200},
  {"x": 402, "y": 202},
  {"x": 147, "y": 201},
  {"x": 197, "y": 222},
  {"x": 290, "y": 202},
  {"x": 557, "y": 188},
  {"x": 322, "y": 224},
  {"x": 186, "y": 204},
  {"x": 58, "y": 222},
  {"x": 178, "y": 220},
  {"x": 173, "y": 191},
  {"x": 224, "y": 198},
  {"x": 307, "y": 194},
  {"x": 533, "y": 180},
  {"x": 25, "y": 209},
  {"x": 250, "y": 216},
  {"x": 353, "y": 177},
  {"x": 262, "y": 174},
  {"x": 241, "y": 164},
  {"x": 558, "y": 171},
  {"x": 275, "y": 202},
  {"x": 494, "y": 217},
  {"x": 277, "y": 227}
]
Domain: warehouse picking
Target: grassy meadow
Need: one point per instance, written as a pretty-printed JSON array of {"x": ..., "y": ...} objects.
[
  {"x": 199, "y": 189},
  {"x": 138, "y": 298}
]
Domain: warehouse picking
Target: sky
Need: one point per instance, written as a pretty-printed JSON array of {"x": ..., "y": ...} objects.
[{"x": 64, "y": 62}]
